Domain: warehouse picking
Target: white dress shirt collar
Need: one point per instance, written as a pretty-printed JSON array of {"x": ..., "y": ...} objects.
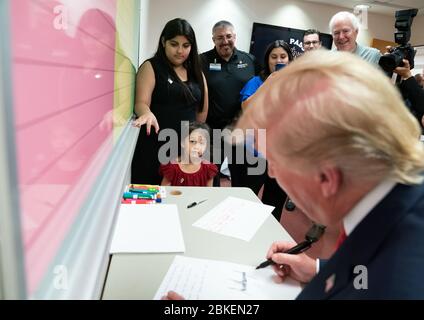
[{"x": 366, "y": 204}]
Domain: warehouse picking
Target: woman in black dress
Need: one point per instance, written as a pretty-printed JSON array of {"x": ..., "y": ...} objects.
[{"x": 171, "y": 88}]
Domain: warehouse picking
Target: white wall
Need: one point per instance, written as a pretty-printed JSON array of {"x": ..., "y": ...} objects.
[
  {"x": 144, "y": 27},
  {"x": 202, "y": 14},
  {"x": 417, "y": 37}
]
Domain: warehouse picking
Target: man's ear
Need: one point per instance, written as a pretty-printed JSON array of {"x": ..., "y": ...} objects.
[
  {"x": 356, "y": 33},
  {"x": 330, "y": 180}
]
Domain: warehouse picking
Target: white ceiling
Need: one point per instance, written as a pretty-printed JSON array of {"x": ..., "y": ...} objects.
[{"x": 387, "y": 7}]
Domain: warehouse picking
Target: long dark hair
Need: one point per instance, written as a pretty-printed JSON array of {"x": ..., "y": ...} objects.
[
  {"x": 180, "y": 27},
  {"x": 275, "y": 44}
]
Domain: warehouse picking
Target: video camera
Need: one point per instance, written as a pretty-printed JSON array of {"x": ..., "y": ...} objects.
[{"x": 394, "y": 59}]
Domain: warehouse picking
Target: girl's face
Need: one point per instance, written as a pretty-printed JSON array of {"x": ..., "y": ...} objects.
[
  {"x": 177, "y": 50},
  {"x": 277, "y": 55},
  {"x": 195, "y": 145}
]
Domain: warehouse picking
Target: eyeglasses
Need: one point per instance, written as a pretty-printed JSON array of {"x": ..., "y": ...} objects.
[
  {"x": 227, "y": 37},
  {"x": 308, "y": 43}
]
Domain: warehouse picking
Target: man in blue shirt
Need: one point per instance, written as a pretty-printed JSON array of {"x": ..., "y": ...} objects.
[{"x": 344, "y": 27}]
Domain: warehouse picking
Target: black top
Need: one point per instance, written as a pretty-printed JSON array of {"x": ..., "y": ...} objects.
[
  {"x": 225, "y": 81},
  {"x": 169, "y": 102},
  {"x": 412, "y": 91},
  {"x": 170, "y": 105}
]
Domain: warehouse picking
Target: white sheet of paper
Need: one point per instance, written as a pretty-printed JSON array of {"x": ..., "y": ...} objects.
[
  {"x": 235, "y": 217},
  {"x": 148, "y": 228},
  {"x": 201, "y": 279}
]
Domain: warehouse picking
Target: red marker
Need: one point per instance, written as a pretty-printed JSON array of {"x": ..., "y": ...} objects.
[{"x": 137, "y": 201}]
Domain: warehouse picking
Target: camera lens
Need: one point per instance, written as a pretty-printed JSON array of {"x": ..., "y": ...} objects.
[{"x": 391, "y": 61}]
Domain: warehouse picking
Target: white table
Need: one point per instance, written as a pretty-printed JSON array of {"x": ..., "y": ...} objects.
[{"x": 138, "y": 276}]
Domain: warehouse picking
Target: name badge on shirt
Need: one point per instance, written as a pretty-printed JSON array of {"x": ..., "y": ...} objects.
[
  {"x": 241, "y": 65},
  {"x": 214, "y": 66}
]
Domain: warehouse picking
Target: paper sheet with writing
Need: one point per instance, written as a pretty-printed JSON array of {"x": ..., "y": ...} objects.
[
  {"x": 235, "y": 217},
  {"x": 201, "y": 279},
  {"x": 148, "y": 228}
]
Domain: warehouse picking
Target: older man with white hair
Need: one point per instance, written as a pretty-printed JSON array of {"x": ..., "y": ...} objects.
[{"x": 344, "y": 27}]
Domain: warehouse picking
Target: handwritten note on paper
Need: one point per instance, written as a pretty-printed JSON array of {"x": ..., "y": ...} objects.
[
  {"x": 235, "y": 217},
  {"x": 205, "y": 279},
  {"x": 148, "y": 228}
]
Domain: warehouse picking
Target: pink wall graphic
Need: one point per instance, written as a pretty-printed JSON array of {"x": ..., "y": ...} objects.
[{"x": 63, "y": 85}]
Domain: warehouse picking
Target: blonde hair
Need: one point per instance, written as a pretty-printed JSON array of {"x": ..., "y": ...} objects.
[{"x": 333, "y": 106}]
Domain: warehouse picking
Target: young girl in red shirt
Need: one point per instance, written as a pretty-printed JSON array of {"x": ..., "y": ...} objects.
[{"x": 190, "y": 169}]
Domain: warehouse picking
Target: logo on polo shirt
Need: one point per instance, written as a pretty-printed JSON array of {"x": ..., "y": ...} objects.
[{"x": 242, "y": 65}]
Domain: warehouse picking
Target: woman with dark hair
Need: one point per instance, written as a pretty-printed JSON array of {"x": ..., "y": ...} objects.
[
  {"x": 170, "y": 88},
  {"x": 277, "y": 55}
]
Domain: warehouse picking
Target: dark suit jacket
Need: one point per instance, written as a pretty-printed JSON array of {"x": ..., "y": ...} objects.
[
  {"x": 389, "y": 242},
  {"x": 415, "y": 95}
]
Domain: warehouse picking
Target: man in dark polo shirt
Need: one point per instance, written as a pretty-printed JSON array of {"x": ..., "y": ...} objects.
[{"x": 227, "y": 70}]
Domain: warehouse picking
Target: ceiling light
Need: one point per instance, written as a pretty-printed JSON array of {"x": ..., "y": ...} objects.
[{"x": 362, "y": 7}]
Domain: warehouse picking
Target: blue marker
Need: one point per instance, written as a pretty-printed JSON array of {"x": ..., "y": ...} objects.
[
  {"x": 142, "y": 191},
  {"x": 130, "y": 195}
]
